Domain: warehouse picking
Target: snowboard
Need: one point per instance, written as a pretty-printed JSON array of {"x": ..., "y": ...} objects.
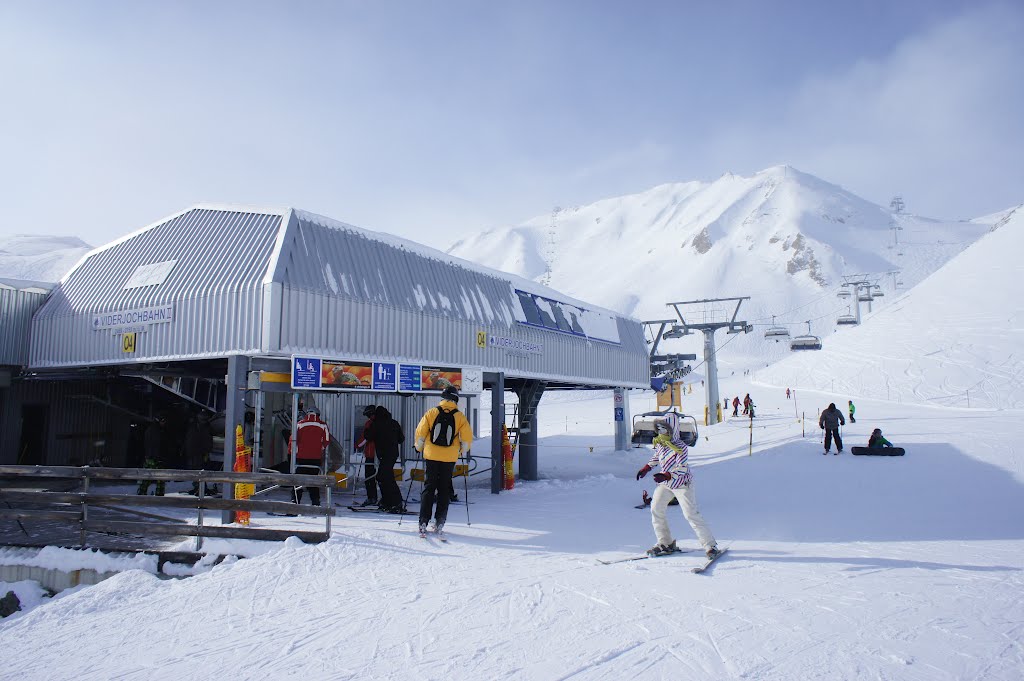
[{"x": 877, "y": 451}]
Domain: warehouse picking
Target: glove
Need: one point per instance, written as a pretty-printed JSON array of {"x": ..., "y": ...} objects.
[
  {"x": 642, "y": 472},
  {"x": 662, "y": 477}
]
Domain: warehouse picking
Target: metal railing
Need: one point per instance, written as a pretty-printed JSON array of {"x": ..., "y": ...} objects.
[{"x": 72, "y": 507}]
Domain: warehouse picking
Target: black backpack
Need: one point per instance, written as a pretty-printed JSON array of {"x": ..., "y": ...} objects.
[{"x": 443, "y": 432}]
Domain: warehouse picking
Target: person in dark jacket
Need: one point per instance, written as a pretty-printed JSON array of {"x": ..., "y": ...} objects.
[
  {"x": 386, "y": 435},
  {"x": 876, "y": 439},
  {"x": 369, "y": 449},
  {"x": 830, "y": 421}
]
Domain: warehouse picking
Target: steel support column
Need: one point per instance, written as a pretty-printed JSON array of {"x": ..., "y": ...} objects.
[
  {"x": 233, "y": 414},
  {"x": 623, "y": 424},
  {"x": 711, "y": 380},
  {"x": 528, "y": 447},
  {"x": 497, "y": 385}
]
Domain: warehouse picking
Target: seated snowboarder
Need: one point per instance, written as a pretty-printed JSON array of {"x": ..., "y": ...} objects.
[
  {"x": 674, "y": 481},
  {"x": 876, "y": 439}
]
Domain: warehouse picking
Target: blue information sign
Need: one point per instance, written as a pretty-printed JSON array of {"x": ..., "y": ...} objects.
[
  {"x": 409, "y": 377},
  {"x": 385, "y": 375},
  {"x": 305, "y": 372},
  {"x": 620, "y": 414}
]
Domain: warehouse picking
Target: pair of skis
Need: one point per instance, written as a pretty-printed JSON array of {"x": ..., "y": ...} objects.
[{"x": 697, "y": 570}]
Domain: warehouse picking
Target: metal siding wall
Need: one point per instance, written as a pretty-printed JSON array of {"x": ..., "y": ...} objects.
[
  {"x": 73, "y": 424},
  {"x": 215, "y": 287},
  {"x": 210, "y": 326},
  {"x": 367, "y": 331},
  {"x": 16, "y": 310}
]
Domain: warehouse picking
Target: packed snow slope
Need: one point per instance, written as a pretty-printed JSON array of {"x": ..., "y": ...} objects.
[
  {"x": 782, "y": 237},
  {"x": 838, "y": 567},
  {"x": 39, "y": 258},
  {"x": 954, "y": 340}
]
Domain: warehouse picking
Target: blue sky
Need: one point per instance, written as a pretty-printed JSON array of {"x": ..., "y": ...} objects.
[{"x": 433, "y": 120}]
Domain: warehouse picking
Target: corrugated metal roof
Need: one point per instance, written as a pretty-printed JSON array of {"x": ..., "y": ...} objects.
[{"x": 239, "y": 280}]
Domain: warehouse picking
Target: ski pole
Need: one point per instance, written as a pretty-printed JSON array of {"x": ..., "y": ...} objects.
[
  {"x": 465, "y": 480},
  {"x": 408, "y": 492}
]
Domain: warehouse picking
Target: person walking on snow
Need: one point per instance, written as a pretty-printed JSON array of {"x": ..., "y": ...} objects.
[
  {"x": 787, "y": 393},
  {"x": 746, "y": 404},
  {"x": 736, "y": 406},
  {"x": 830, "y": 421},
  {"x": 443, "y": 434},
  {"x": 674, "y": 481},
  {"x": 852, "y": 410}
]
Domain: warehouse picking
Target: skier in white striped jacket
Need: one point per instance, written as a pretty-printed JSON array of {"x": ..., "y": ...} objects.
[{"x": 674, "y": 479}]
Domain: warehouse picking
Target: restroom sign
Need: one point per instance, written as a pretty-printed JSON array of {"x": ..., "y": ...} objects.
[{"x": 128, "y": 341}]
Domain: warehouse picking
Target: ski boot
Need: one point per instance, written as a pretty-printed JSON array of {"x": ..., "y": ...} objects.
[{"x": 662, "y": 549}]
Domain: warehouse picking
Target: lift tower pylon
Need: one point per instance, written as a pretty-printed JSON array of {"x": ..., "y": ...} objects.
[{"x": 710, "y": 359}]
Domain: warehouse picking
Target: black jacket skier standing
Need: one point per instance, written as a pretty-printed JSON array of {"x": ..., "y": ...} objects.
[
  {"x": 830, "y": 420},
  {"x": 386, "y": 434}
]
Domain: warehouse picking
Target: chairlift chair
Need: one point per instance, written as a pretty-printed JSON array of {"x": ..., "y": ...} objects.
[
  {"x": 807, "y": 342},
  {"x": 775, "y": 331},
  {"x": 878, "y": 292},
  {"x": 844, "y": 293},
  {"x": 644, "y": 433},
  {"x": 846, "y": 319},
  {"x": 864, "y": 297}
]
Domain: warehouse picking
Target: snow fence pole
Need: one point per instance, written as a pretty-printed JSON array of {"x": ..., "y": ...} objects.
[{"x": 750, "y": 451}]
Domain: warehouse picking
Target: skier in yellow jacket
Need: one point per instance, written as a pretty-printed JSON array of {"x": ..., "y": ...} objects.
[{"x": 443, "y": 435}]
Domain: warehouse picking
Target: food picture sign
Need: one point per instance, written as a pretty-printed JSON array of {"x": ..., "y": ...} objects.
[
  {"x": 348, "y": 375},
  {"x": 439, "y": 378}
]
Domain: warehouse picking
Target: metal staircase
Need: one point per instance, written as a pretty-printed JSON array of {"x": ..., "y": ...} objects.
[
  {"x": 203, "y": 392},
  {"x": 518, "y": 416}
]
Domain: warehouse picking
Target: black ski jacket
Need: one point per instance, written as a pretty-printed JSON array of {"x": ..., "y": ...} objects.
[
  {"x": 831, "y": 418},
  {"x": 386, "y": 434}
]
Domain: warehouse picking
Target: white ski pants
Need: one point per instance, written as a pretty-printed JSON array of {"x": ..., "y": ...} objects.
[{"x": 688, "y": 502}]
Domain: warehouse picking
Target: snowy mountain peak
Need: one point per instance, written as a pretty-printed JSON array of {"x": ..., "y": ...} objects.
[{"x": 782, "y": 236}]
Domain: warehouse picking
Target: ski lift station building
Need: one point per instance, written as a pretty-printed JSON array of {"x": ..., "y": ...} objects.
[{"x": 227, "y": 308}]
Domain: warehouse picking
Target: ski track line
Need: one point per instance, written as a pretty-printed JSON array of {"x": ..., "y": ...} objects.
[{"x": 607, "y": 657}]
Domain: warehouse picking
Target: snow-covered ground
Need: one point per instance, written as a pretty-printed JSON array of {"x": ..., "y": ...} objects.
[{"x": 839, "y": 567}]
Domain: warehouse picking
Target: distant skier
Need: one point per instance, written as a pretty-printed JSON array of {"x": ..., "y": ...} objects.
[
  {"x": 736, "y": 406},
  {"x": 830, "y": 421},
  {"x": 853, "y": 409},
  {"x": 876, "y": 439},
  {"x": 674, "y": 480},
  {"x": 787, "y": 393},
  {"x": 725, "y": 405}
]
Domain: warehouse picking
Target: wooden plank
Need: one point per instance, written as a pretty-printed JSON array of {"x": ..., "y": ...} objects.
[
  {"x": 44, "y": 514},
  {"x": 166, "y": 474},
  {"x": 188, "y": 502},
  {"x": 224, "y": 531}
]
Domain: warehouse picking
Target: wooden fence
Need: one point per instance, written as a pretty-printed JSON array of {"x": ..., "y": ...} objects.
[{"x": 73, "y": 506}]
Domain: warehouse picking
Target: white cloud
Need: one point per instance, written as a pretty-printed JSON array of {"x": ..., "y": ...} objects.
[{"x": 937, "y": 119}]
